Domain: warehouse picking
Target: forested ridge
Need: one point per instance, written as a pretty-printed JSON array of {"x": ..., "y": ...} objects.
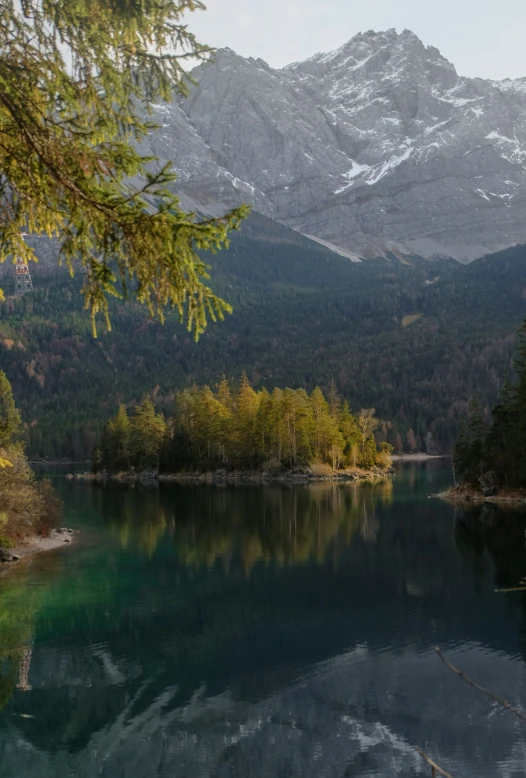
[
  {"x": 490, "y": 451},
  {"x": 416, "y": 341},
  {"x": 244, "y": 429}
]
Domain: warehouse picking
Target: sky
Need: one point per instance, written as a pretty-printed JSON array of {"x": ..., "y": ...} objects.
[{"x": 482, "y": 38}]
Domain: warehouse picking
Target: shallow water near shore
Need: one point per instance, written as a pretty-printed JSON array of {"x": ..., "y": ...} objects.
[{"x": 263, "y": 632}]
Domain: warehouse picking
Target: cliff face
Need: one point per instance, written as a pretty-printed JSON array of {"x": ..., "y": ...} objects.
[{"x": 377, "y": 145}]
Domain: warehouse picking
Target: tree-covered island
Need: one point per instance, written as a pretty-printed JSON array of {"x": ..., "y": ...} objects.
[{"x": 237, "y": 429}]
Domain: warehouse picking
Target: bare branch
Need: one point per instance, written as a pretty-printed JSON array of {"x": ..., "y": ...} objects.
[
  {"x": 479, "y": 688},
  {"x": 435, "y": 768}
]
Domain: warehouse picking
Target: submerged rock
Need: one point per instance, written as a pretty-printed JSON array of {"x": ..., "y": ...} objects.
[{"x": 7, "y": 556}]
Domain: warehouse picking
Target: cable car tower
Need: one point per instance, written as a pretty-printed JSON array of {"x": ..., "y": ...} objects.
[{"x": 23, "y": 281}]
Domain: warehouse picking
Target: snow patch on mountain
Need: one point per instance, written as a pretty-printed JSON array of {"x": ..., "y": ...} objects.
[{"x": 379, "y": 143}]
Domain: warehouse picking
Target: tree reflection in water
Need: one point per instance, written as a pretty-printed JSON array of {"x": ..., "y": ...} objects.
[
  {"x": 18, "y": 606},
  {"x": 278, "y": 524}
]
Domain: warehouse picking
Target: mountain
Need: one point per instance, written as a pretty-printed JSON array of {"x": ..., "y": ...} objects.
[
  {"x": 414, "y": 339},
  {"x": 378, "y": 146}
]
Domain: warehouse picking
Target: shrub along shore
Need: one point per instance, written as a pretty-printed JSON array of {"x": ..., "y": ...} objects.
[
  {"x": 29, "y": 509},
  {"x": 294, "y": 476}
]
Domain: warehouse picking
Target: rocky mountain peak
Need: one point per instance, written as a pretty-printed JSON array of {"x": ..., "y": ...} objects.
[{"x": 377, "y": 146}]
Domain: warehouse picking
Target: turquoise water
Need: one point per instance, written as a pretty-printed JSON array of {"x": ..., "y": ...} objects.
[{"x": 265, "y": 632}]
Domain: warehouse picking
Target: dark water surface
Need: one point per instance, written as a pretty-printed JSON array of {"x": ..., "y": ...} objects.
[{"x": 266, "y": 632}]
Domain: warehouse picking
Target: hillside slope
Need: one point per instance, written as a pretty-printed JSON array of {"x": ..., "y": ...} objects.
[{"x": 415, "y": 340}]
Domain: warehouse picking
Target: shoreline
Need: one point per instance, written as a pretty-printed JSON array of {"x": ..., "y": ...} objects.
[
  {"x": 57, "y": 538},
  {"x": 462, "y": 495},
  {"x": 300, "y": 477},
  {"x": 417, "y": 457}
]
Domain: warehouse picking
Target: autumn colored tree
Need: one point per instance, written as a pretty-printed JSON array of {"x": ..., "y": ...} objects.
[
  {"x": 411, "y": 441},
  {"x": 245, "y": 430},
  {"x": 147, "y": 431},
  {"x": 25, "y": 506},
  {"x": 367, "y": 423},
  {"x": 9, "y": 416}
]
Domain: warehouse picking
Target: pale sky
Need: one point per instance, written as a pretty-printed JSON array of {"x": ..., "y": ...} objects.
[{"x": 483, "y": 38}]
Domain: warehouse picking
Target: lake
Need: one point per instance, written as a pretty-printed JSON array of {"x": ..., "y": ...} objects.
[{"x": 266, "y": 632}]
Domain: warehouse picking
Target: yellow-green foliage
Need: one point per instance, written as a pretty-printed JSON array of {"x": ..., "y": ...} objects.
[
  {"x": 284, "y": 527},
  {"x": 240, "y": 428},
  {"x": 18, "y": 603},
  {"x": 26, "y": 506},
  {"x": 78, "y": 79},
  {"x": 20, "y": 496},
  {"x": 407, "y": 320}
]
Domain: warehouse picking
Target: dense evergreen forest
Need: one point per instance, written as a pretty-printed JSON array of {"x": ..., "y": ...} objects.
[
  {"x": 242, "y": 429},
  {"x": 491, "y": 452},
  {"x": 414, "y": 340}
]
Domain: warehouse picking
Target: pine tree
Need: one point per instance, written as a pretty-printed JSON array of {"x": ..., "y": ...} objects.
[
  {"x": 321, "y": 425},
  {"x": 334, "y": 401},
  {"x": 78, "y": 81},
  {"x": 147, "y": 431},
  {"x": 245, "y": 437},
  {"x": 285, "y": 429},
  {"x": 224, "y": 395},
  {"x": 469, "y": 452},
  {"x": 351, "y": 435},
  {"x": 264, "y": 428}
]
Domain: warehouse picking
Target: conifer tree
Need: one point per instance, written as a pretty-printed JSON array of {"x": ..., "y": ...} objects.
[
  {"x": 118, "y": 443},
  {"x": 245, "y": 440},
  {"x": 502, "y": 449},
  {"x": 224, "y": 395},
  {"x": 211, "y": 433},
  {"x": 334, "y": 401},
  {"x": 322, "y": 423},
  {"x": 469, "y": 452},
  {"x": 147, "y": 431},
  {"x": 78, "y": 82},
  {"x": 285, "y": 429},
  {"x": 264, "y": 427}
]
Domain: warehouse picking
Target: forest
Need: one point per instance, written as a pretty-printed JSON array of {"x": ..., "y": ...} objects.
[
  {"x": 242, "y": 429},
  {"x": 490, "y": 451},
  {"x": 414, "y": 339}
]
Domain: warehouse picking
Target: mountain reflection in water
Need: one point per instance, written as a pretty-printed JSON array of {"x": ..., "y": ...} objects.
[{"x": 276, "y": 631}]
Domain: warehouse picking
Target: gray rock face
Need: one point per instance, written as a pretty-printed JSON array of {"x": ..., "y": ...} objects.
[{"x": 379, "y": 145}]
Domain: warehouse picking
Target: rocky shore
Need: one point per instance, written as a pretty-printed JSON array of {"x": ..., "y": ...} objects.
[
  {"x": 294, "y": 476},
  {"x": 57, "y": 538},
  {"x": 465, "y": 494}
]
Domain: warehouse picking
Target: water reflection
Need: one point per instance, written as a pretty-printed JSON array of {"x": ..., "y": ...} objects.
[
  {"x": 18, "y": 607},
  {"x": 279, "y": 525},
  {"x": 265, "y": 632}
]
